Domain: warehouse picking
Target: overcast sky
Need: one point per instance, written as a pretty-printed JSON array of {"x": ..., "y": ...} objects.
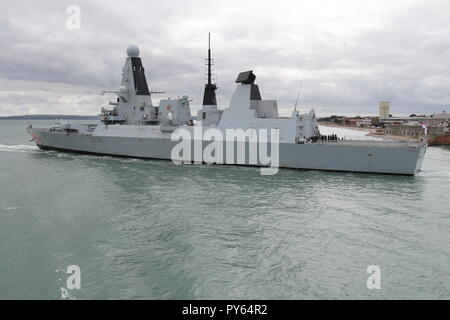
[{"x": 350, "y": 54}]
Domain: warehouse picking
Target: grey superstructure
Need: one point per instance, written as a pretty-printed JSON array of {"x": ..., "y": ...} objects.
[{"x": 134, "y": 127}]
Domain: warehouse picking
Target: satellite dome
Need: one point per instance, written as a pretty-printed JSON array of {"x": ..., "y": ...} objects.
[
  {"x": 123, "y": 93},
  {"x": 133, "y": 51}
]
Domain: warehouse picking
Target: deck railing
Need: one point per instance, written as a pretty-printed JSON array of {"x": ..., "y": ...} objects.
[{"x": 369, "y": 141}]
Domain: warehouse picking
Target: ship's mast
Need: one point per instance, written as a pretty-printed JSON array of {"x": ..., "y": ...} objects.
[
  {"x": 209, "y": 96},
  {"x": 209, "y": 58}
]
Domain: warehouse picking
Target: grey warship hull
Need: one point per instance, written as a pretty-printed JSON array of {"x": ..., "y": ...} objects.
[
  {"x": 132, "y": 126},
  {"x": 384, "y": 157}
]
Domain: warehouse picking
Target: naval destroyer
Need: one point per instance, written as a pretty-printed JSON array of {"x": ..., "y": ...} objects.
[{"x": 132, "y": 126}]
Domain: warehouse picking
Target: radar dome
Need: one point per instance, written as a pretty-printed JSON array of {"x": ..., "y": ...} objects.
[{"x": 133, "y": 51}]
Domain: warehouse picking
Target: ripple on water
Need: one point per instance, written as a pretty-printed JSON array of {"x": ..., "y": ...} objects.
[{"x": 153, "y": 229}]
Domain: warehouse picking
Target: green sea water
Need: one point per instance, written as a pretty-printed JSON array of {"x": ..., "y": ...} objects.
[{"x": 144, "y": 229}]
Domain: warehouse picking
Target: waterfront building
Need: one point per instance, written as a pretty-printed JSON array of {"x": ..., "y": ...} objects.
[{"x": 384, "y": 109}]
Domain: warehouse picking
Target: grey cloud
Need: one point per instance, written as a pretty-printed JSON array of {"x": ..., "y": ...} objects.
[{"x": 399, "y": 53}]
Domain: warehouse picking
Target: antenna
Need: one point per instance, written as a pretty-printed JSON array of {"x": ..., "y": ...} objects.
[
  {"x": 209, "y": 57},
  {"x": 209, "y": 95},
  {"x": 298, "y": 96}
]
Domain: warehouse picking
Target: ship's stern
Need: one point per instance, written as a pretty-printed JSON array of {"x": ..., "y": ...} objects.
[{"x": 422, "y": 149}]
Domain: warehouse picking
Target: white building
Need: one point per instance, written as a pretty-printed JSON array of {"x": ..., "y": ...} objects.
[{"x": 384, "y": 109}]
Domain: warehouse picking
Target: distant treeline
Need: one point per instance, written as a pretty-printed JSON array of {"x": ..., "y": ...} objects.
[{"x": 49, "y": 117}]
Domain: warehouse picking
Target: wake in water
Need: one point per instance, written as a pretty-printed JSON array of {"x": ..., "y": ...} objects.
[
  {"x": 435, "y": 164},
  {"x": 32, "y": 148},
  {"x": 17, "y": 148},
  {"x": 433, "y": 173},
  {"x": 65, "y": 294}
]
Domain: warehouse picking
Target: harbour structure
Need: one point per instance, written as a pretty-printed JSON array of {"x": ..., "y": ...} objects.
[
  {"x": 384, "y": 109},
  {"x": 412, "y": 130}
]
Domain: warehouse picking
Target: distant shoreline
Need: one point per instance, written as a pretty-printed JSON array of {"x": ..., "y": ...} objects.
[
  {"x": 49, "y": 117},
  {"x": 326, "y": 124},
  {"x": 370, "y": 132}
]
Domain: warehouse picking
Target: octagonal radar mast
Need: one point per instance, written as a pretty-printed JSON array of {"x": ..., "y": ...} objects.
[{"x": 134, "y": 103}]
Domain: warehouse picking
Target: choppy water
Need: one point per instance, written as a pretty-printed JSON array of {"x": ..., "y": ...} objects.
[{"x": 151, "y": 229}]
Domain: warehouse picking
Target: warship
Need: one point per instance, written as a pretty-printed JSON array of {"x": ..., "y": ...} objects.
[{"x": 132, "y": 126}]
